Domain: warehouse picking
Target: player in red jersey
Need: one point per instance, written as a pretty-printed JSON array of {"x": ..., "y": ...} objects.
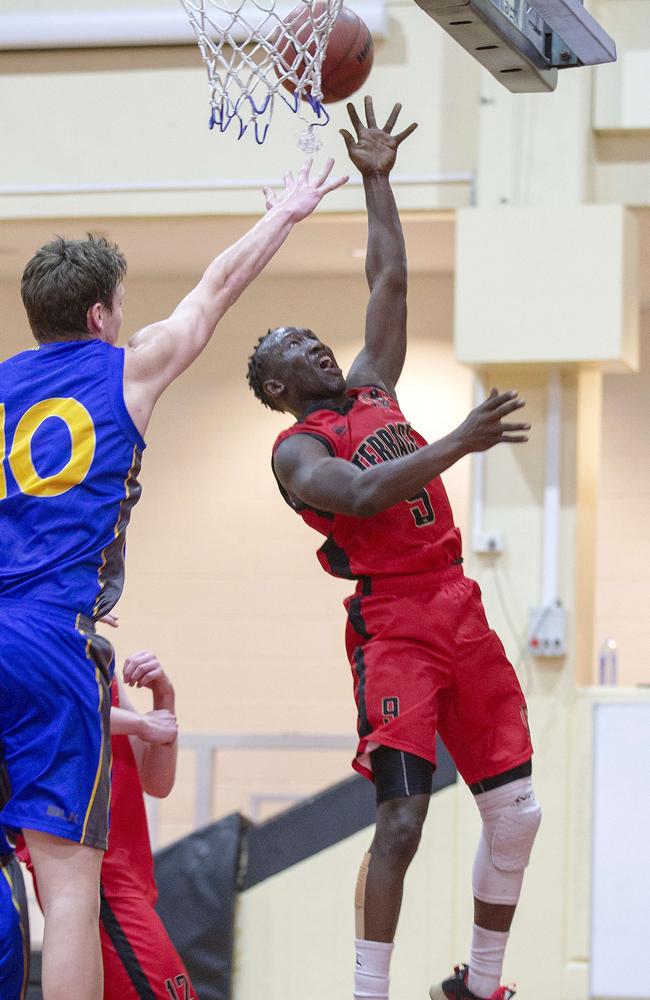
[
  {"x": 138, "y": 956},
  {"x": 423, "y": 657}
]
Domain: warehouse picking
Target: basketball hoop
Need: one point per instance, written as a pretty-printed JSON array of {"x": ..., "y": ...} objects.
[{"x": 242, "y": 44}]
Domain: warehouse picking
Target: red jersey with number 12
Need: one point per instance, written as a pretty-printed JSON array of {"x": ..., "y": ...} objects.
[{"x": 417, "y": 535}]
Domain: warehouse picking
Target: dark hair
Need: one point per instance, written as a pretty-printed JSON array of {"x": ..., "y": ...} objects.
[
  {"x": 64, "y": 279},
  {"x": 258, "y": 371}
]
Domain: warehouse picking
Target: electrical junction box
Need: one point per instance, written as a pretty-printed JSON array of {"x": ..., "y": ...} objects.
[
  {"x": 547, "y": 631},
  {"x": 487, "y": 541}
]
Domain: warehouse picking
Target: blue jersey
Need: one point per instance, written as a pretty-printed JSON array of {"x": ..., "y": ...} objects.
[
  {"x": 14, "y": 933},
  {"x": 70, "y": 456}
]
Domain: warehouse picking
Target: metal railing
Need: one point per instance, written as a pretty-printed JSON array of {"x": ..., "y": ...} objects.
[{"x": 206, "y": 746}]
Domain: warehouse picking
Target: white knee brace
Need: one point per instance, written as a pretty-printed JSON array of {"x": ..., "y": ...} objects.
[{"x": 511, "y": 816}]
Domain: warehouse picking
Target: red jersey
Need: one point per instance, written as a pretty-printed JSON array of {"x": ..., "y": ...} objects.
[
  {"x": 127, "y": 868},
  {"x": 417, "y": 535}
]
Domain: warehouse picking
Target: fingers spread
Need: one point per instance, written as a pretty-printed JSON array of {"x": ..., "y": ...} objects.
[
  {"x": 370, "y": 112},
  {"x": 357, "y": 124},
  {"x": 496, "y": 398},
  {"x": 392, "y": 118},
  {"x": 306, "y": 167},
  {"x": 514, "y": 427},
  {"x": 401, "y": 136},
  {"x": 339, "y": 182},
  {"x": 512, "y": 404},
  {"x": 348, "y": 139},
  {"x": 326, "y": 171}
]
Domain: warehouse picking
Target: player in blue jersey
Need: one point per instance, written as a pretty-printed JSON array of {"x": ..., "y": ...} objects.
[
  {"x": 14, "y": 927},
  {"x": 14, "y": 920},
  {"x": 72, "y": 417}
]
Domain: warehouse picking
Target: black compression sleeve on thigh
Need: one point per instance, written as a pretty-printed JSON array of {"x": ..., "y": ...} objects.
[
  {"x": 399, "y": 774},
  {"x": 496, "y": 781}
]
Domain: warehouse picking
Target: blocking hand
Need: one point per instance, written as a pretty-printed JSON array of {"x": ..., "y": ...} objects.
[
  {"x": 375, "y": 149},
  {"x": 303, "y": 193}
]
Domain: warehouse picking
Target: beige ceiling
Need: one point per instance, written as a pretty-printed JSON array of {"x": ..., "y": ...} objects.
[{"x": 182, "y": 246}]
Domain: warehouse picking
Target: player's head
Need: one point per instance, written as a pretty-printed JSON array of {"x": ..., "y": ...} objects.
[
  {"x": 290, "y": 368},
  {"x": 72, "y": 289}
]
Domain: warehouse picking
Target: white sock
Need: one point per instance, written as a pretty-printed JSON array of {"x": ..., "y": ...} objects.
[
  {"x": 486, "y": 960},
  {"x": 372, "y": 965}
]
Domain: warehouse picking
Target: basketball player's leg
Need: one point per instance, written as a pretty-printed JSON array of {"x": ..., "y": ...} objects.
[
  {"x": 68, "y": 881},
  {"x": 139, "y": 957},
  {"x": 485, "y": 728},
  {"x": 510, "y": 819},
  {"x": 403, "y": 783},
  {"x": 396, "y": 685},
  {"x": 397, "y": 681},
  {"x": 55, "y": 733}
]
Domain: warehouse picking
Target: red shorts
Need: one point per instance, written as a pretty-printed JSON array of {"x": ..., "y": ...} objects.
[
  {"x": 424, "y": 660},
  {"x": 140, "y": 961}
]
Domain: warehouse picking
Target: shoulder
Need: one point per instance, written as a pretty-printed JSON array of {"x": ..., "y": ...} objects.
[
  {"x": 325, "y": 423},
  {"x": 297, "y": 448},
  {"x": 301, "y": 437},
  {"x": 375, "y": 396},
  {"x": 10, "y": 364}
]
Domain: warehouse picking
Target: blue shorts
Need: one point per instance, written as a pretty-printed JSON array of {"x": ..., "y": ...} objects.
[
  {"x": 14, "y": 932},
  {"x": 55, "y": 673}
]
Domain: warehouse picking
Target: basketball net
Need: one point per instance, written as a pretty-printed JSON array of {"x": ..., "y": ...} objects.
[{"x": 251, "y": 52}]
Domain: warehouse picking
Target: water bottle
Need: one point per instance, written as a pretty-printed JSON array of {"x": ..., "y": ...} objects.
[{"x": 608, "y": 662}]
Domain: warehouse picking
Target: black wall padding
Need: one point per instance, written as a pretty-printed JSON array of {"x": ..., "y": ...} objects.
[
  {"x": 197, "y": 884},
  {"x": 320, "y": 822}
]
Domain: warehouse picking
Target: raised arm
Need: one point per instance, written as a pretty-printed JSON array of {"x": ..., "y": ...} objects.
[
  {"x": 373, "y": 153},
  {"x": 309, "y": 474},
  {"x": 158, "y": 353}
]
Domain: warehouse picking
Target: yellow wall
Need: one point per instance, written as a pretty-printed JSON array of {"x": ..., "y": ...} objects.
[
  {"x": 509, "y": 259},
  {"x": 623, "y": 536}
]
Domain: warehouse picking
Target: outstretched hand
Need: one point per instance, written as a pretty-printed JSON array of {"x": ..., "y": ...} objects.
[
  {"x": 375, "y": 149},
  {"x": 484, "y": 426},
  {"x": 303, "y": 193}
]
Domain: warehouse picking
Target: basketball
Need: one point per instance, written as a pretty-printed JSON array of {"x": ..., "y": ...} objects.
[{"x": 348, "y": 59}]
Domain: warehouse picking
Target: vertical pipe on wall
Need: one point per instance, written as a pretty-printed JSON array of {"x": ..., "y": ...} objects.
[
  {"x": 551, "y": 536},
  {"x": 478, "y": 474}
]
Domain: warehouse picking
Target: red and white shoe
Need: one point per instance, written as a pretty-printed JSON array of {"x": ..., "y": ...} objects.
[{"x": 456, "y": 988}]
